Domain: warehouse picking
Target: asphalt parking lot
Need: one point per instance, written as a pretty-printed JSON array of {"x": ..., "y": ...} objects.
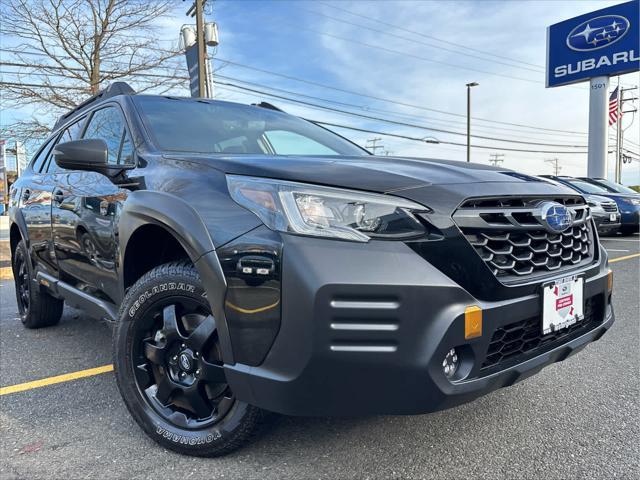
[{"x": 576, "y": 419}]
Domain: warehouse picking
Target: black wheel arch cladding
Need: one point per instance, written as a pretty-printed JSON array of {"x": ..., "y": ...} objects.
[{"x": 186, "y": 226}]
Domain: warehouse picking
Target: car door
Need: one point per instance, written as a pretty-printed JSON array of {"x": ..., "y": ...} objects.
[
  {"x": 85, "y": 210},
  {"x": 34, "y": 201}
]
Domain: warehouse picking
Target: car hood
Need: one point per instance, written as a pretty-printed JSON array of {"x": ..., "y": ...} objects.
[
  {"x": 441, "y": 185},
  {"x": 377, "y": 174},
  {"x": 621, "y": 195}
]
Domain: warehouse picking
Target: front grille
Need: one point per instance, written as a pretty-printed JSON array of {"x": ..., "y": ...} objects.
[
  {"x": 510, "y": 238},
  {"x": 515, "y": 341},
  {"x": 610, "y": 207}
]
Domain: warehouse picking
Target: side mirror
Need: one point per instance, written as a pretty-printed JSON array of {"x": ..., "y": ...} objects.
[{"x": 89, "y": 154}]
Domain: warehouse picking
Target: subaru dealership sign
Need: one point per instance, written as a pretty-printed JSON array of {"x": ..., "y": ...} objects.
[{"x": 602, "y": 43}]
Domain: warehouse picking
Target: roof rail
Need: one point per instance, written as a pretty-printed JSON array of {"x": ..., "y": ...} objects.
[
  {"x": 115, "y": 88},
  {"x": 267, "y": 106}
]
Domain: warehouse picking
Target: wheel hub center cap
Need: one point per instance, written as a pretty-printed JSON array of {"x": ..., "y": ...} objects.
[{"x": 186, "y": 362}]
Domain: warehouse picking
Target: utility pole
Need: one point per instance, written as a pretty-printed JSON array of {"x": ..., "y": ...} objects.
[
  {"x": 202, "y": 54},
  {"x": 469, "y": 85},
  {"x": 496, "y": 159},
  {"x": 196, "y": 51},
  {"x": 372, "y": 144},
  {"x": 556, "y": 165},
  {"x": 620, "y": 130}
]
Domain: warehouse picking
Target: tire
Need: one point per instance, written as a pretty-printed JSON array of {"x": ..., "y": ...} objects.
[
  {"x": 36, "y": 307},
  {"x": 164, "y": 319}
]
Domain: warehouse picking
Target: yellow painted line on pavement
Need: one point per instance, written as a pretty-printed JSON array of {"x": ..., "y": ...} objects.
[
  {"x": 6, "y": 273},
  {"x": 67, "y": 377},
  {"x": 626, "y": 257}
]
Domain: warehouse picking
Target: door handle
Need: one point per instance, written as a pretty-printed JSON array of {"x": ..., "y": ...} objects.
[{"x": 58, "y": 196}]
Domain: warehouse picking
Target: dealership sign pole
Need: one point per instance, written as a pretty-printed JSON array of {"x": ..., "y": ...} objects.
[
  {"x": 594, "y": 47},
  {"x": 598, "y": 126}
]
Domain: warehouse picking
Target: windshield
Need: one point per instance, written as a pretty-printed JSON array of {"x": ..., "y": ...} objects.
[
  {"x": 207, "y": 126},
  {"x": 614, "y": 187}
]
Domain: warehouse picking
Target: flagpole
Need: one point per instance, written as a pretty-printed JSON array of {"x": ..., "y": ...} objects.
[{"x": 618, "y": 173}]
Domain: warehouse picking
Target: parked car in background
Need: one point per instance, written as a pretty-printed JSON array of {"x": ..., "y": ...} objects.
[
  {"x": 604, "y": 211},
  {"x": 628, "y": 204},
  {"x": 628, "y": 201},
  {"x": 610, "y": 186}
]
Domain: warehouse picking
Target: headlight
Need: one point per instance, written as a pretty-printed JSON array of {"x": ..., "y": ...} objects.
[
  {"x": 633, "y": 201},
  {"x": 326, "y": 212}
]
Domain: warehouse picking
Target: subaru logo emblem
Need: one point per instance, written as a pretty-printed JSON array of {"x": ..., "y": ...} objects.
[
  {"x": 185, "y": 362},
  {"x": 554, "y": 217},
  {"x": 598, "y": 32}
]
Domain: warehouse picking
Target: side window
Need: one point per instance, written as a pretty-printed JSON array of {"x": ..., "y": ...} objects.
[
  {"x": 38, "y": 160},
  {"x": 108, "y": 124},
  {"x": 72, "y": 132},
  {"x": 290, "y": 143}
]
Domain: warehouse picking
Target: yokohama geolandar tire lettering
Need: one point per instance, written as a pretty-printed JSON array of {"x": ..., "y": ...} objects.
[{"x": 163, "y": 292}]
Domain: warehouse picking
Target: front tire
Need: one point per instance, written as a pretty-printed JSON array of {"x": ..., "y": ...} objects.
[
  {"x": 36, "y": 307},
  {"x": 169, "y": 367}
]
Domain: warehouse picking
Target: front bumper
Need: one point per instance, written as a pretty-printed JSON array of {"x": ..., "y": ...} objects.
[
  {"x": 603, "y": 221},
  {"x": 630, "y": 216},
  {"x": 365, "y": 328}
]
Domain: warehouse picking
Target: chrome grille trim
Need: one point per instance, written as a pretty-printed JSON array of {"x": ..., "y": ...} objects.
[
  {"x": 515, "y": 245},
  {"x": 519, "y": 218}
]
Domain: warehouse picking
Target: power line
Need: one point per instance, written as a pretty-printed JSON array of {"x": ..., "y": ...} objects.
[
  {"x": 351, "y": 92},
  {"x": 344, "y": 126},
  {"x": 406, "y": 137},
  {"x": 386, "y": 112},
  {"x": 41, "y": 85},
  {"x": 422, "y": 34},
  {"x": 404, "y": 124},
  {"x": 413, "y": 40},
  {"x": 396, "y": 102},
  {"x": 417, "y": 57},
  {"x": 384, "y": 120},
  {"x": 359, "y": 107}
]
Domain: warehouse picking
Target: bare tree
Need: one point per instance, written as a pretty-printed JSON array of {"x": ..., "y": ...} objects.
[{"x": 69, "y": 49}]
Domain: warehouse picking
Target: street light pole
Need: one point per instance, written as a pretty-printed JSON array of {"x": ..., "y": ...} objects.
[{"x": 469, "y": 85}]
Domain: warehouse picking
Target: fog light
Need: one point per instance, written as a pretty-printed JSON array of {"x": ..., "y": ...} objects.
[{"x": 450, "y": 363}]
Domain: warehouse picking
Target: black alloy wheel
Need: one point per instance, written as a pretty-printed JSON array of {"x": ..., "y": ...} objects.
[
  {"x": 179, "y": 366},
  {"x": 36, "y": 306},
  {"x": 169, "y": 366},
  {"x": 22, "y": 281}
]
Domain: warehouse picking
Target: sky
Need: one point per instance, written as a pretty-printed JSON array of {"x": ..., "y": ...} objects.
[{"x": 408, "y": 62}]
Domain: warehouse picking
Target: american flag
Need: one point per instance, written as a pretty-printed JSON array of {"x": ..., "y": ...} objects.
[{"x": 613, "y": 107}]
